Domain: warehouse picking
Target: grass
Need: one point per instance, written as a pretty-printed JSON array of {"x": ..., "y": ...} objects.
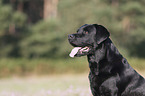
[
  {"x": 22, "y": 67},
  {"x": 25, "y": 67},
  {"x": 35, "y": 84},
  {"x": 56, "y": 85}
]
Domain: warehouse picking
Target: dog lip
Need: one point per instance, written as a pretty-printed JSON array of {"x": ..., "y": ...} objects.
[{"x": 74, "y": 45}]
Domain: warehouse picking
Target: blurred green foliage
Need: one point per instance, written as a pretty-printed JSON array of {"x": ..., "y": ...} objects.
[
  {"x": 12, "y": 30},
  {"x": 48, "y": 38},
  {"x": 44, "y": 41},
  {"x": 26, "y": 41}
]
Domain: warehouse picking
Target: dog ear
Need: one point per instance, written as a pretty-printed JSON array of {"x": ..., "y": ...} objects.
[{"x": 101, "y": 33}]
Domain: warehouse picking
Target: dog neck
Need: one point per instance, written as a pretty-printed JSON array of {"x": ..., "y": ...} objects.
[
  {"x": 103, "y": 57},
  {"x": 95, "y": 58}
]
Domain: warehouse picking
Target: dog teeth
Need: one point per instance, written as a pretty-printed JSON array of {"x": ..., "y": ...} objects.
[{"x": 85, "y": 49}]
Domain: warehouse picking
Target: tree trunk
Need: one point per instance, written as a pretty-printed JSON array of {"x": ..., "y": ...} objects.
[
  {"x": 115, "y": 3},
  {"x": 50, "y": 9},
  {"x": 12, "y": 29},
  {"x": 126, "y": 24},
  {"x": 20, "y": 6}
]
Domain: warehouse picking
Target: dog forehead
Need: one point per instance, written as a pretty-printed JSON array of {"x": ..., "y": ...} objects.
[
  {"x": 85, "y": 27},
  {"x": 82, "y": 27}
]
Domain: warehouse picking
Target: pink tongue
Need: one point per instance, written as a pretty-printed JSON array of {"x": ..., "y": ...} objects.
[{"x": 74, "y": 51}]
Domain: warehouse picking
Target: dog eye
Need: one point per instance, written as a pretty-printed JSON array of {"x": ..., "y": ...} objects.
[{"x": 85, "y": 32}]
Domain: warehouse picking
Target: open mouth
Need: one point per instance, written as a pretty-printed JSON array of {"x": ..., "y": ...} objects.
[{"x": 80, "y": 50}]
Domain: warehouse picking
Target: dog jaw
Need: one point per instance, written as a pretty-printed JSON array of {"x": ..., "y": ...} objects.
[{"x": 80, "y": 50}]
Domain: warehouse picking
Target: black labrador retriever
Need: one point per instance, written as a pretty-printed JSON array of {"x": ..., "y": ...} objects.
[{"x": 110, "y": 73}]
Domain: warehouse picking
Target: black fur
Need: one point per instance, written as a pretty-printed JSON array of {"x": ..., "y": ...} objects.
[{"x": 110, "y": 73}]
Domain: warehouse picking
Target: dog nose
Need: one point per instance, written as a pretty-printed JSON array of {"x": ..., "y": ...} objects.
[{"x": 71, "y": 36}]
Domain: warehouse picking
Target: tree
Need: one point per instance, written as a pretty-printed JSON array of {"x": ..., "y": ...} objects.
[
  {"x": 50, "y": 9},
  {"x": 44, "y": 40},
  {"x": 13, "y": 26}
]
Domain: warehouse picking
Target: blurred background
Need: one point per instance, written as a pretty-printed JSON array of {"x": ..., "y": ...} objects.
[{"x": 34, "y": 48}]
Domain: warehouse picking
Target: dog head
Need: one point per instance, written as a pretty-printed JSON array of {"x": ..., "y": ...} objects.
[{"x": 87, "y": 39}]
